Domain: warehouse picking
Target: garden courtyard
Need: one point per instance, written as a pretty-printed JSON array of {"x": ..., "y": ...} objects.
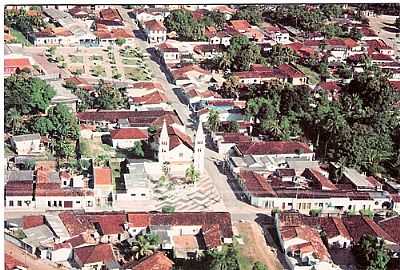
[{"x": 115, "y": 62}]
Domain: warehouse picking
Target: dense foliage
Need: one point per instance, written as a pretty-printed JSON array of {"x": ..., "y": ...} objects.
[
  {"x": 361, "y": 129},
  {"x": 252, "y": 14},
  {"x": 227, "y": 258},
  {"x": 19, "y": 20},
  {"x": 371, "y": 253}
]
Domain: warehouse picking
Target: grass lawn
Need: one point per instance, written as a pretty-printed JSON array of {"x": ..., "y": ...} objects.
[
  {"x": 76, "y": 58},
  {"x": 19, "y": 37},
  {"x": 94, "y": 148},
  {"x": 136, "y": 74},
  {"x": 116, "y": 172},
  {"x": 98, "y": 71},
  {"x": 132, "y": 52},
  {"x": 245, "y": 262},
  {"x": 130, "y": 61},
  {"x": 313, "y": 76}
]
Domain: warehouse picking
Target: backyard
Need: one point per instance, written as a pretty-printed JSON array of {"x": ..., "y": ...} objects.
[
  {"x": 19, "y": 37},
  {"x": 137, "y": 74},
  {"x": 313, "y": 76}
]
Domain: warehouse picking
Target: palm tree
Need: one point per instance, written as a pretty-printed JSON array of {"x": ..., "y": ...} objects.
[
  {"x": 13, "y": 119},
  {"x": 144, "y": 245},
  {"x": 192, "y": 175},
  {"x": 213, "y": 120}
]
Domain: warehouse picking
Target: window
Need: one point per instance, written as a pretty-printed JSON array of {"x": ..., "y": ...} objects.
[
  {"x": 11, "y": 203},
  {"x": 55, "y": 203},
  {"x": 49, "y": 203},
  {"x": 78, "y": 202},
  {"x": 89, "y": 203},
  {"x": 180, "y": 155},
  {"x": 60, "y": 203},
  {"x": 19, "y": 203},
  {"x": 143, "y": 194},
  {"x": 133, "y": 194}
]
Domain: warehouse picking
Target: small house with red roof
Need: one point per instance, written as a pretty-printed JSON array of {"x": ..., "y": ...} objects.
[
  {"x": 155, "y": 31},
  {"x": 108, "y": 37},
  {"x": 126, "y": 137},
  {"x": 103, "y": 186},
  {"x": 240, "y": 26},
  {"x": 16, "y": 63},
  {"x": 156, "y": 261},
  {"x": 96, "y": 257},
  {"x": 53, "y": 36},
  {"x": 156, "y": 100},
  {"x": 168, "y": 53},
  {"x": 277, "y": 34},
  {"x": 11, "y": 263}
]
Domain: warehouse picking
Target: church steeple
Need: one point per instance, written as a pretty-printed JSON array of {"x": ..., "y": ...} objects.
[
  {"x": 163, "y": 144},
  {"x": 199, "y": 149}
]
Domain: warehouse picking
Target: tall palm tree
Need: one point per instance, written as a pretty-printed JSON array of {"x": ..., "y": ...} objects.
[
  {"x": 13, "y": 119},
  {"x": 192, "y": 175}
]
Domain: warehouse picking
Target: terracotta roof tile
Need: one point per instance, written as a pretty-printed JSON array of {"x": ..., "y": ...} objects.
[
  {"x": 11, "y": 263},
  {"x": 256, "y": 184},
  {"x": 102, "y": 176},
  {"x": 94, "y": 254},
  {"x": 32, "y": 221},
  {"x": 392, "y": 227},
  {"x": 129, "y": 134},
  {"x": 157, "y": 261},
  {"x": 154, "y": 25},
  {"x": 272, "y": 148},
  {"x": 75, "y": 224},
  {"x": 108, "y": 224}
]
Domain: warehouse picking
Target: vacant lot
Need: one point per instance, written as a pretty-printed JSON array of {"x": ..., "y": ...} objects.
[{"x": 255, "y": 248}]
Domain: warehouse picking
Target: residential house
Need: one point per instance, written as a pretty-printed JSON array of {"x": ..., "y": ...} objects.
[
  {"x": 29, "y": 144},
  {"x": 168, "y": 53},
  {"x": 155, "y": 32},
  {"x": 156, "y": 261},
  {"x": 79, "y": 82},
  {"x": 339, "y": 49},
  {"x": 222, "y": 37},
  {"x": 58, "y": 36},
  {"x": 136, "y": 183},
  {"x": 278, "y": 35},
  {"x": 189, "y": 74},
  {"x": 208, "y": 51},
  {"x": 15, "y": 64},
  {"x": 143, "y": 15},
  {"x": 95, "y": 257},
  {"x": 240, "y": 26},
  {"x": 378, "y": 46},
  {"x": 110, "y": 18},
  {"x": 108, "y": 37},
  {"x": 126, "y": 137},
  {"x": 153, "y": 101},
  {"x": 19, "y": 195},
  {"x": 103, "y": 185},
  {"x": 38, "y": 239},
  {"x": 110, "y": 226},
  {"x": 331, "y": 88}
]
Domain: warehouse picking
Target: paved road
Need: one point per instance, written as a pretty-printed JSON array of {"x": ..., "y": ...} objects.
[{"x": 28, "y": 260}]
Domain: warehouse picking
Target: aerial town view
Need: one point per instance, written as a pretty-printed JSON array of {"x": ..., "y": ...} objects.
[{"x": 202, "y": 137}]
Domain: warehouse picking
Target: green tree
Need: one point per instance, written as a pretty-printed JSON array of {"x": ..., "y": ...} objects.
[
  {"x": 13, "y": 120},
  {"x": 64, "y": 149},
  {"x": 213, "y": 121},
  {"x": 230, "y": 88},
  {"x": 243, "y": 53},
  {"x": 64, "y": 122},
  {"x": 280, "y": 55},
  {"x": 145, "y": 245},
  {"x": 102, "y": 160},
  {"x": 192, "y": 175},
  {"x": 43, "y": 125},
  {"x": 331, "y": 11},
  {"x": 85, "y": 99},
  {"x": 251, "y": 13},
  {"x": 182, "y": 22},
  {"x": 28, "y": 95},
  {"x": 259, "y": 266},
  {"x": 120, "y": 41},
  {"x": 137, "y": 149},
  {"x": 214, "y": 18},
  {"x": 225, "y": 259},
  {"x": 355, "y": 34},
  {"x": 371, "y": 254},
  {"x": 29, "y": 164},
  {"x": 232, "y": 127},
  {"x": 109, "y": 97}
]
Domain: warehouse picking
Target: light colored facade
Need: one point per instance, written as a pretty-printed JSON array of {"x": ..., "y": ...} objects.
[{"x": 27, "y": 144}]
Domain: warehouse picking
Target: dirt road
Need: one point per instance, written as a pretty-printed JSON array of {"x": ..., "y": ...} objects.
[{"x": 255, "y": 247}]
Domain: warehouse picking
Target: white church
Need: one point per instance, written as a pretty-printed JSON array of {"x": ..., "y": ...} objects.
[{"x": 174, "y": 147}]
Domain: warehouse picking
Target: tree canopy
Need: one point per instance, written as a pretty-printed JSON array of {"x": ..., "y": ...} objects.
[
  {"x": 371, "y": 254},
  {"x": 27, "y": 95},
  {"x": 187, "y": 28},
  {"x": 108, "y": 97},
  {"x": 227, "y": 258},
  {"x": 252, "y": 14}
]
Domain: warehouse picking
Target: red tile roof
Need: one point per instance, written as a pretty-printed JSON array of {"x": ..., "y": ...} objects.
[
  {"x": 129, "y": 134},
  {"x": 360, "y": 225},
  {"x": 147, "y": 85},
  {"x": 290, "y": 71},
  {"x": 256, "y": 184},
  {"x": 185, "y": 219},
  {"x": 32, "y": 221},
  {"x": 154, "y": 25},
  {"x": 108, "y": 224},
  {"x": 94, "y": 254},
  {"x": 157, "y": 261},
  {"x": 110, "y": 14},
  {"x": 330, "y": 86},
  {"x": 381, "y": 57},
  {"x": 102, "y": 176},
  {"x": 139, "y": 219},
  {"x": 319, "y": 179},
  {"x": 212, "y": 236},
  {"x": 240, "y": 25},
  {"x": 272, "y": 148},
  {"x": 392, "y": 227},
  {"x": 75, "y": 224},
  {"x": 19, "y": 188},
  {"x": 11, "y": 64},
  {"x": 156, "y": 97},
  {"x": 11, "y": 263},
  {"x": 235, "y": 138}
]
